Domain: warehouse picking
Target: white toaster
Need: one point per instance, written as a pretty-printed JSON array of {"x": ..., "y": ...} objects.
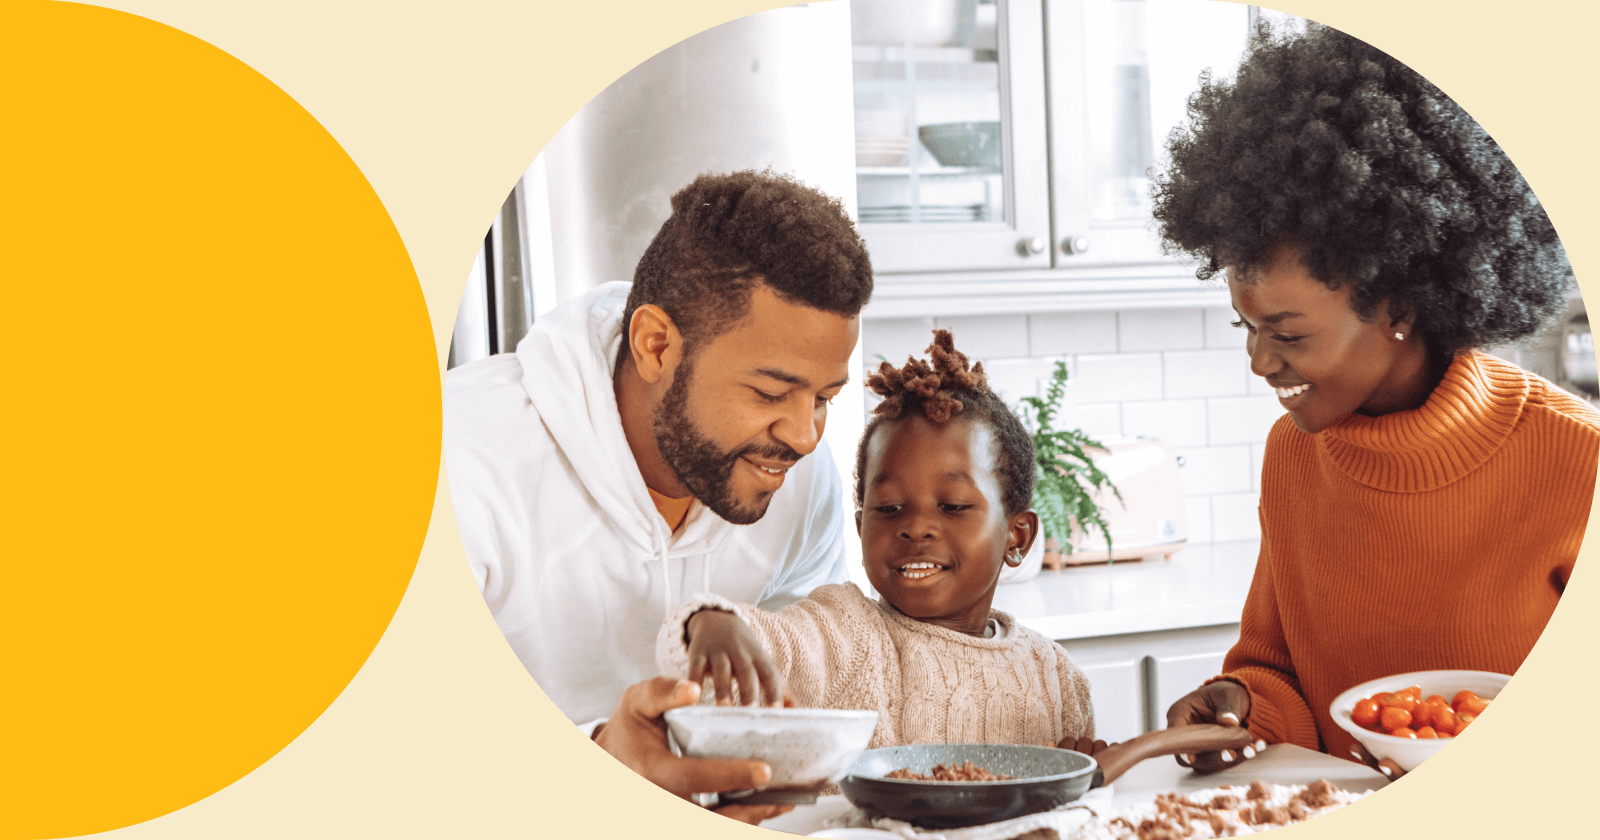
[{"x": 1148, "y": 520}]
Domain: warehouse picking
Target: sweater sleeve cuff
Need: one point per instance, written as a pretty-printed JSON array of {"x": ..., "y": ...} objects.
[
  {"x": 672, "y": 652},
  {"x": 1278, "y": 714}
]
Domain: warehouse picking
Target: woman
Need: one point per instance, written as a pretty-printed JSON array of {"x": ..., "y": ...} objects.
[{"x": 1422, "y": 503}]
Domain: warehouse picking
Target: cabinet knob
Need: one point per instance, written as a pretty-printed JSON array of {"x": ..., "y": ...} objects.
[
  {"x": 1032, "y": 245},
  {"x": 1074, "y": 244}
]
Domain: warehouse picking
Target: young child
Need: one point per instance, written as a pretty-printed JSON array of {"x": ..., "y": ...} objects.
[{"x": 944, "y": 480}]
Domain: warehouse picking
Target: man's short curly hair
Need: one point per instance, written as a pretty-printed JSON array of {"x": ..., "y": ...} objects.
[
  {"x": 728, "y": 232},
  {"x": 943, "y": 389},
  {"x": 1327, "y": 144}
]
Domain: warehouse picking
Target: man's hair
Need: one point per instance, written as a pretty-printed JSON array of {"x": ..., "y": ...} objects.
[
  {"x": 729, "y": 232},
  {"x": 946, "y": 388},
  {"x": 1328, "y": 144}
]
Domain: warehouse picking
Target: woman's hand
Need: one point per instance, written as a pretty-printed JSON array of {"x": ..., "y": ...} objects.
[
  {"x": 1224, "y": 703},
  {"x": 723, "y": 648},
  {"x": 1387, "y": 767}
]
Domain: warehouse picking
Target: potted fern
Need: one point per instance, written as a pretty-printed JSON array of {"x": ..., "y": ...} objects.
[{"x": 1067, "y": 478}]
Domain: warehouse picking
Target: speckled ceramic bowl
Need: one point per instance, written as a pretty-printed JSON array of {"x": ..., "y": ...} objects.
[
  {"x": 804, "y": 747},
  {"x": 1043, "y": 778},
  {"x": 1409, "y": 752}
]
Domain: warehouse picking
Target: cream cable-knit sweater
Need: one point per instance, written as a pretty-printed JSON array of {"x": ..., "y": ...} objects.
[{"x": 929, "y": 684}]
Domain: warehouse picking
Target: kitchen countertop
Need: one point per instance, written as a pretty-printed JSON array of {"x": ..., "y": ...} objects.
[
  {"x": 1201, "y": 586},
  {"x": 1284, "y": 764}
]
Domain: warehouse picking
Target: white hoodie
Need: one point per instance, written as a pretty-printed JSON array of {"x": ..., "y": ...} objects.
[{"x": 572, "y": 556}]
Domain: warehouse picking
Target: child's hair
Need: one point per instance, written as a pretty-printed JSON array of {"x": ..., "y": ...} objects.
[{"x": 941, "y": 390}]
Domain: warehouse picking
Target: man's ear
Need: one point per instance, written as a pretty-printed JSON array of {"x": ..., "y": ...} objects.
[
  {"x": 858, "y": 523},
  {"x": 654, "y": 343}
]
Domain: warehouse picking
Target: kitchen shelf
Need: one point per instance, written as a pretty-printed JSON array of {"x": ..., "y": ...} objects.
[
  {"x": 925, "y": 172},
  {"x": 1088, "y": 287}
]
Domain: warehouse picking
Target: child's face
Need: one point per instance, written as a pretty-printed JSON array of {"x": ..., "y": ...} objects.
[{"x": 933, "y": 533}]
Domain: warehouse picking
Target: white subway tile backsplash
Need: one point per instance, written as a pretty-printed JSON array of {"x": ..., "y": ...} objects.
[
  {"x": 1178, "y": 422},
  {"x": 1257, "y": 450},
  {"x": 1241, "y": 419},
  {"x": 894, "y": 339},
  {"x": 1205, "y": 373},
  {"x": 1197, "y": 518},
  {"x": 1140, "y": 330},
  {"x": 1118, "y": 378},
  {"x": 1234, "y": 517},
  {"x": 1259, "y": 386},
  {"x": 988, "y": 336},
  {"x": 1071, "y": 333},
  {"x": 1220, "y": 331},
  {"x": 1208, "y": 470},
  {"x": 1014, "y": 379},
  {"x": 1097, "y": 421}
]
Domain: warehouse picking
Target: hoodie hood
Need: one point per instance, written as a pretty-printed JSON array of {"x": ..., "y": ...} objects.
[{"x": 567, "y": 361}]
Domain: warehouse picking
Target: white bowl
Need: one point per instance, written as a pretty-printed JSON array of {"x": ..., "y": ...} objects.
[
  {"x": 804, "y": 747},
  {"x": 1406, "y": 752}
]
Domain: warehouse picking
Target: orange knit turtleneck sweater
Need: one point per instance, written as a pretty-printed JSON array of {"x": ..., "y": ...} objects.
[{"x": 1438, "y": 538}]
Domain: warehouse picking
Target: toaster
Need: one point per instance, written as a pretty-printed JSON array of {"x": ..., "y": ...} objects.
[{"x": 1148, "y": 518}]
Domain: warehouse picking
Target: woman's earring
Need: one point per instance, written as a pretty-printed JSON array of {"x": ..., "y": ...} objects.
[{"x": 1399, "y": 337}]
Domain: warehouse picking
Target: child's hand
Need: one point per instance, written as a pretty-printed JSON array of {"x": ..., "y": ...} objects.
[{"x": 722, "y": 647}]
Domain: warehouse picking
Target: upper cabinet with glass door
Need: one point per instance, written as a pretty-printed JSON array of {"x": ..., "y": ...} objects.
[
  {"x": 1120, "y": 73},
  {"x": 951, "y": 171},
  {"x": 959, "y": 168}
]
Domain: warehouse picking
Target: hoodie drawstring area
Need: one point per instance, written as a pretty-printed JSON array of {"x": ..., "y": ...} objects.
[{"x": 666, "y": 573}]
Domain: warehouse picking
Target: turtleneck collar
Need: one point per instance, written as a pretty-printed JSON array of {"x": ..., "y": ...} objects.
[{"x": 1466, "y": 419}]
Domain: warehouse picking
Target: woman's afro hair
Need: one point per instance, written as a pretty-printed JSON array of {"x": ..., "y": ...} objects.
[
  {"x": 730, "y": 231},
  {"x": 940, "y": 389},
  {"x": 1329, "y": 145}
]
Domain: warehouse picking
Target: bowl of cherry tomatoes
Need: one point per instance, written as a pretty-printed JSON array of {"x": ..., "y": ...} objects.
[{"x": 1409, "y": 717}]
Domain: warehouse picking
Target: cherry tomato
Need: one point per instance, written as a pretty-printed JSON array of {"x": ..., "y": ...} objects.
[
  {"x": 1426, "y": 732},
  {"x": 1437, "y": 699},
  {"x": 1473, "y": 704},
  {"x": 1414, "y": 692},
  {"x": 1404, "y": 732},
  {"x": 1365, "y": 713},
  {"x": 1394, "y": 717},
  {"x": 1400, "y": 701},
  {"x": 1444, "y": 721},
  {"x": 1383, "y": 698},
  {"x": 1422, "y": 716},
  {"x": 1462, "y": 719}
]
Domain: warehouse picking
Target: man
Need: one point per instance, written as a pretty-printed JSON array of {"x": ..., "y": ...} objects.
[{"x": 646, "y": 443}]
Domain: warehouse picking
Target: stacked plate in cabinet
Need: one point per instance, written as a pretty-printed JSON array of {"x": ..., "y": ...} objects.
[{"x": 881, "y": 138}]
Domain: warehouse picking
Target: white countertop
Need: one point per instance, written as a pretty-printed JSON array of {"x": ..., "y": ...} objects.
[
  {"x": 1283, "y": 764},
  {"x": 1201, "y": 586}
]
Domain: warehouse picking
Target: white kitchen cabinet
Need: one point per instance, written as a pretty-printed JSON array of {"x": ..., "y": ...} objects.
[
  {"x": 1135, "y": 677},
  {"x": 950, "y": 134},
  {"x": 1116, "y": 685},
  {"x": 1085, "y": 93}
]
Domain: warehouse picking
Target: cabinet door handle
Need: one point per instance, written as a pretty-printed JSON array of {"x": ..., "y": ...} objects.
[
  {"x": 1032, "y": 246},
  {"x": 1074, "y": 244}
]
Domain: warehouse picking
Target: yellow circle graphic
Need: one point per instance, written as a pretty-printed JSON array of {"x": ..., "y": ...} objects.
[{"x": 221, "y": 423}]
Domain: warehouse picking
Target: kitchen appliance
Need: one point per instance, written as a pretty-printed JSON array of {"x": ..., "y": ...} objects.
[{"x": 1147, "y": 519}]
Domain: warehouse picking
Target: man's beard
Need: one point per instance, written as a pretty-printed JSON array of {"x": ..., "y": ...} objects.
[{"x": 696, "y": 461}]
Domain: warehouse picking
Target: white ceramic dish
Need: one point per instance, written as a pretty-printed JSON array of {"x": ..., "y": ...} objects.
[
  {"x": 1406, "y": 752},
  {"x": 804, "y": 747}
]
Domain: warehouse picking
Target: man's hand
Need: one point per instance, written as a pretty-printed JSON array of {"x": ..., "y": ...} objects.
[
  {"x": 636, "y": 735},
  {"x": 1223, "y": 702},
  {"x": 723, "y": 648}
]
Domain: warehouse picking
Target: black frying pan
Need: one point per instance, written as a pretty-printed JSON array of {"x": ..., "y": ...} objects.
[{"x": 1043, "y": 778}]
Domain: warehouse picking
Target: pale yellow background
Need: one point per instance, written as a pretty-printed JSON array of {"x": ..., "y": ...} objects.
[{"x": 442, "y": 734}]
